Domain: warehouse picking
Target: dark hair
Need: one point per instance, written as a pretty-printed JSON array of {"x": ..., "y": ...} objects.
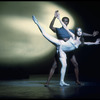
[
  {"x": 65, "y": 18},
  {"x": 82, "y": 40}
]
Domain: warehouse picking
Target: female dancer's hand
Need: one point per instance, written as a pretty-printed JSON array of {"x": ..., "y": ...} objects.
[
  {"x": 98, "y": 41},
  {"x": 55, "y": 14},
  {"x": 58, "y": 15}
]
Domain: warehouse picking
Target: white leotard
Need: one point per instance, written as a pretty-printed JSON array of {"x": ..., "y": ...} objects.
[{"x": 68, "y": 45}]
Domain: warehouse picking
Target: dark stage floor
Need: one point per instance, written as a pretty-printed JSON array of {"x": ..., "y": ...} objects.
[{"x": 33, "y": 88}]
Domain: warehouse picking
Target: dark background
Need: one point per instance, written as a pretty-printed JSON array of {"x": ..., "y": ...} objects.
[{"x": 87, "y": 56}]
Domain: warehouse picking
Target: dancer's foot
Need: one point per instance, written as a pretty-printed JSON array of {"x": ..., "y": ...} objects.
[
  {"x": 34, "y": 19},
  {"x": 63, "y": 83},
  {"x": 78, "y": 83},
  {"x": 46, "y": 85}
]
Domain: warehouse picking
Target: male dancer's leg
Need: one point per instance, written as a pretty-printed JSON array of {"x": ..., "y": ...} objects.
[
  {"x": 52, "y": 70},
  {"x": 76, "y": 69}
]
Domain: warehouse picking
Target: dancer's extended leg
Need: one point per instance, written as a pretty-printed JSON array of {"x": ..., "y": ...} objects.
[{"x": 50, "y": 38}]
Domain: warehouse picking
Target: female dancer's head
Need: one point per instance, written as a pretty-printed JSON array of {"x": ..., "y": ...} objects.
[{"x": 78, "y": 32}]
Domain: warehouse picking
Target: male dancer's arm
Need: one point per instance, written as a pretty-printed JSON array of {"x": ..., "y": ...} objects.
[
  {"x": 52, "y": 22},
  {"x": 95, "y": 33}
]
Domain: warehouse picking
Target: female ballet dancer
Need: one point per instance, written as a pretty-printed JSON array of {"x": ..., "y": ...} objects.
[{"x": 63, "y": 47}]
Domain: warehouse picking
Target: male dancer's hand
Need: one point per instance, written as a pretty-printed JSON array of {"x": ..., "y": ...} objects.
[{"x": 95, "y": 33}]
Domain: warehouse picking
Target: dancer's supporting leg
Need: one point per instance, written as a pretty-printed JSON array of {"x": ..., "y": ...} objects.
[
  {"x": 76, "y": 69},
  {"x": 63, "y": 61},
  {"x": 52, "y": 70}
]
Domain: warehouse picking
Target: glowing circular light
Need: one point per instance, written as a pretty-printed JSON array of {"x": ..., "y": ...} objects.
[{"x": 21, "y": 38}]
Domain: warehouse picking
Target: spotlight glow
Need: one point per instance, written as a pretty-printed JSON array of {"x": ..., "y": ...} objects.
[{"x": 20, "y": 38}]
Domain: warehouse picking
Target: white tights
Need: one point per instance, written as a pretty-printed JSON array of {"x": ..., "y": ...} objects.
[{"x": 63, "y": 61}]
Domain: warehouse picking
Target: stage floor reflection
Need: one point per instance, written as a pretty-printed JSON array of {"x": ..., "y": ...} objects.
[{"x": 33, "y": 88}]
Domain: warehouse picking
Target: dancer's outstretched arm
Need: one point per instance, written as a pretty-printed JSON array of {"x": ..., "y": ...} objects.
[
  {"x": 50, "y": 38},
  {"x": 93, "y": 43},
  {"x": 95, "y": 33}
]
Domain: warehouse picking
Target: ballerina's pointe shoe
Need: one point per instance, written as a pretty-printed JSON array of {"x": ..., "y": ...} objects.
[
  {"x": 63, "y": 83},
  {"x": 34, "y": 19}
]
